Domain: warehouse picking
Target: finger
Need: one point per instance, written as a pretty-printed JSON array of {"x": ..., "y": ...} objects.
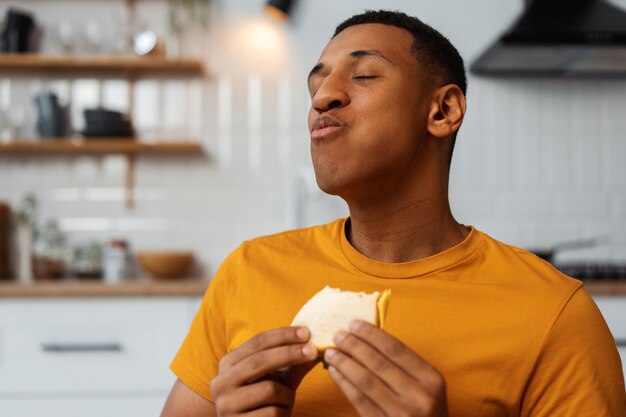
[
  {"x": 363, "y": 380},
  {"x": 271, "y": 411},
  {"x": 364, "y": 406},
  {"x": 258, "y": 395},
  {"x": 262, "y": 363},
  {"x": 294, "y": 375},
  {"x": 265, "y": 340},
  {"x": 396, "y": 351},
  {"x": 378, "y": 364}
]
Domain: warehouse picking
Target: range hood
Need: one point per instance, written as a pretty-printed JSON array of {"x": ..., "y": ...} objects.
[{"x": 579, "y": 38}]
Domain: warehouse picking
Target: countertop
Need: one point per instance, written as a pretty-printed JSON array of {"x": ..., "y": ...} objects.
[
  {"x": 187, "y": 287},
  {"x": 616, "y": 288}
]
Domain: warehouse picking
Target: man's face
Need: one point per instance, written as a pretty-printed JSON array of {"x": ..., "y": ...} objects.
[{"x": 368, "y": 112}]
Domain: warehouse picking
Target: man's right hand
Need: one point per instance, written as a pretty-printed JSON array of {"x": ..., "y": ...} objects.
[{"x": 261, "y": 376}]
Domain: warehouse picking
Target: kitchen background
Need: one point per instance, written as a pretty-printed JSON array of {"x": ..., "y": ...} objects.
[{"x": 537, "y": 162}]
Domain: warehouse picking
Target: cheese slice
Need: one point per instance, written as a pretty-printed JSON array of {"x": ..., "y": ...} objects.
[{"x": 331, "y": 310}]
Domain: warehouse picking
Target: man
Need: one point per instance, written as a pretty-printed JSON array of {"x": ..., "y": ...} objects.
[{"x": 474, "y": 328}]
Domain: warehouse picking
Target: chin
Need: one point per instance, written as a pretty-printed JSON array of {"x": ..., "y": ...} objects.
[
  {"x": 327, "y": 186},
  {"x": 334, "y": 185}
]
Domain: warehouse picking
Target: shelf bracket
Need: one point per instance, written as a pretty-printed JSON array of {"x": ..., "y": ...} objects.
[{"x": 130, "y": 181}]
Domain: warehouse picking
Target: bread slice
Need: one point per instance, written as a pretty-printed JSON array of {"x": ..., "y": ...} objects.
[{"x": 331, "y": 310}]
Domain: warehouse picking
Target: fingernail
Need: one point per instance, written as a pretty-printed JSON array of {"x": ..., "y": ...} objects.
[
  {"x": 354, "y": 325},
  {"x": 309, "y": 350},
  {"x": 328, "y": 355},
  {"x": 302, "y": 333},
  {"x": 332, "y": 370},
  {"x": 339, "y": 336}
]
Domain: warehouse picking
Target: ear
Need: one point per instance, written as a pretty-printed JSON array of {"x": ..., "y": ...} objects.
[{"x": 446, "y": 112}]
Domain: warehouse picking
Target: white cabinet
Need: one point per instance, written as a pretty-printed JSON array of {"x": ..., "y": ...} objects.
[
  {"x": 89, "y": 356},
  {"x": 613, "y": 309}
]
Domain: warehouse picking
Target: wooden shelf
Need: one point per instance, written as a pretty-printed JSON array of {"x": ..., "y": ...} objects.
[
  {"x": 100, "y": 146},
  {"x": 100, "y": 63},
  {"x": 128, "y": 67},
  {"x": 178, "y": 287},
  {"x": 130, "y": 148}
]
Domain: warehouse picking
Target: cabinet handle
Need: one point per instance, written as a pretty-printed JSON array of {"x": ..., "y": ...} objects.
[
  {"x": 620, "y": 342},
  {"x": 80, "y": 347}
]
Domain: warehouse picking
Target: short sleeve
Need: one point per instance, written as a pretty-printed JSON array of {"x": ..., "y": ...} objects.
[
  {"x": 197, "y": 360},
  {"x": 578, "y": 371}
]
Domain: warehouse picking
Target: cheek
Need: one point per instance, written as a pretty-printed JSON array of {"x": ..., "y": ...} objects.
[
  {"x": 387, "y": 124},
  {"x": 388, "y": 137}
]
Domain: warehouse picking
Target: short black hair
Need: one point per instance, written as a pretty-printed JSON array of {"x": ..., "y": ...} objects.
[
  {"x": 437, "y": 56},
  {"x": 440, "y": 60}
]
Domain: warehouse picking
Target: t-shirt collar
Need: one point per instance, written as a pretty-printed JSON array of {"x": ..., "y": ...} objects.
[{"x": 411, "y": 269}]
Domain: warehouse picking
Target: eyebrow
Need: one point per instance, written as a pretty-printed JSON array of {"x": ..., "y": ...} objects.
[{"x": 359, "y": 53}]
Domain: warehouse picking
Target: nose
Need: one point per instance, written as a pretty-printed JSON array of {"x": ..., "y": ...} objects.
[{"x": 331, "y": 94}]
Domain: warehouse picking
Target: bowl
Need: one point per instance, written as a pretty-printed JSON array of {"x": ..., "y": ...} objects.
[{"x": 165, "y": 264}]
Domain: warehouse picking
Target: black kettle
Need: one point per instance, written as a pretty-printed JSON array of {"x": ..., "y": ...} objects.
[
  {"x": 52, "y": 117},
  {"x": 18, "y": 32}
]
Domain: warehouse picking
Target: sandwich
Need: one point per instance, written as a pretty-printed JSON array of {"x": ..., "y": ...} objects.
[{"x": 331, "y": 310}]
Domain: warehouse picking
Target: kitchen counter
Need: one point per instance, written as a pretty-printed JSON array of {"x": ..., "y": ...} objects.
[
  {"x": 187, "y": 287},
  {"x": 616, "y": 288}
]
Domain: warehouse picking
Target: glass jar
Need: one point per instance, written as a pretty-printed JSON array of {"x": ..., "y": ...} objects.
[{"x": 50, "y": 250}]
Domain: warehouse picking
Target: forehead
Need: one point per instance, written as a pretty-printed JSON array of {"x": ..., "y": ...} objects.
[{"x": 393, "y": 42}]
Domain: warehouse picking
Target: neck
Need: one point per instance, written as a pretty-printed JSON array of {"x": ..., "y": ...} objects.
[{"x": 401, "y": 230}]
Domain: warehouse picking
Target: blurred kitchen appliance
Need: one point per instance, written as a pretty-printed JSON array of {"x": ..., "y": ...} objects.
[
  {"x": 560, "y": 38},
  {"x": 549, "y": 254},
  {"x": 101, "y": 122},
  {"x": 596, "y": 271},
  {"x": 52, "y": 118},
  {"x": 5, "y": 241},
  {"x": 18, "y": 30}
]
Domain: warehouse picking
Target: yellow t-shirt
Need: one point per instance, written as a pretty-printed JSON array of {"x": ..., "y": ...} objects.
[{"x": 511, "y": 335}]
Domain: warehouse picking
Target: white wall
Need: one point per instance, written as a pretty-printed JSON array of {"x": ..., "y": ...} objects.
[{"x": 537, "y": 161}]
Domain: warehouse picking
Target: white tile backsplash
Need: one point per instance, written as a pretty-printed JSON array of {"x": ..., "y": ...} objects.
[
  {"x": 530, "y": 204},
  {"x": 585, "y": 204},
  {"x": 537, "y": 162}
]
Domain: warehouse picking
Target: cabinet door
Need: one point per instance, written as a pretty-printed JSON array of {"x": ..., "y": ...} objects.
[
  {"x": 81, "y": 407},
  {"x": 89, "y": 345},
  {"x": 614, "y": 311}
]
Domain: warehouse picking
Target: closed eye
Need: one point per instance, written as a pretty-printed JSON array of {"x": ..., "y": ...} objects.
[{"x": 365, "y": 77}]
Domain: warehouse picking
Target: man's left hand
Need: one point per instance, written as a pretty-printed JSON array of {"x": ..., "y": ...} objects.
[{"x": 381, "y": 376}]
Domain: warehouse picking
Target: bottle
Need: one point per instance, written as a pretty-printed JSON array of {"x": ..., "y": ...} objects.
[
  {"x": 116, "y": 261},
  {"x": 26, "y": 214}
]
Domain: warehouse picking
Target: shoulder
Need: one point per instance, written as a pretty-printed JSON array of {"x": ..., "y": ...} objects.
[
  {"x": 294, "y": 241},
  {"x": 525, "y": 271},
  {"x": 284, "y": 248},
  {"x": 578, "y": 365}
]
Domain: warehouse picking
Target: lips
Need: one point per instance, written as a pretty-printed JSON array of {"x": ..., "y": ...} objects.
[{"x": 324, "y": 126}]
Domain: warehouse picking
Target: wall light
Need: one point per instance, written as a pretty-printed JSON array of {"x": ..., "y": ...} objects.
[
  {"x": 254, "y": 45},
  {"x": 279, "y": 9}
]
